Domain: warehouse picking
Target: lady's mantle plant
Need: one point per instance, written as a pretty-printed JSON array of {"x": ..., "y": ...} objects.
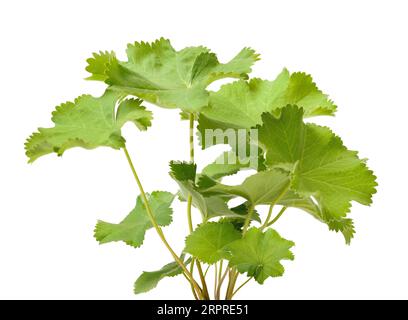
[{"x": 300, "y": 165}]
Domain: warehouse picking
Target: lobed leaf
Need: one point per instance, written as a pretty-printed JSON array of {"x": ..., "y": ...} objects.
[
  {"x": 132, "y": 229},
  {"x": 149, "y": 280},
  {"x": 207, "y": 242},
  {"x": 321, "y": 165},
  {"x": 88, "y": 122},
  {"x": 158, "y": 73},
  {"x": 241, "y": 104},
  {"x": 259, "y": 254}
]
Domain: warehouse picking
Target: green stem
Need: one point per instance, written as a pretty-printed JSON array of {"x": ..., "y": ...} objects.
[
  {"x": 190, "y": 204},
  {"x": 192, "y": 287},
  {"x": 248, "y": 219},
  {"x": 221, "y": 281},
  {"x": 206, "y": 295},
  {"x": 268, "y": 224},
  {"x": 191, "y": 144},
  {"x": 230, "y": 288},
  {"x": 206, "y": 270},
  {"x": 268, "y": 217},
  {"x": 215, "y": 280},
  {"x": 233, "y": 294},
  {"x": 191, "y": 136},
  {"x": 157, "y": 227}
]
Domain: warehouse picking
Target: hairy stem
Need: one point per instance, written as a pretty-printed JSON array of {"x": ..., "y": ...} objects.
[{"x": 157, "y": 227}]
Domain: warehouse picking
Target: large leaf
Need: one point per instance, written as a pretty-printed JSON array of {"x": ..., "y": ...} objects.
[
  {"x": 265, "y": 187},
  {"x": 149, "y": 280},
  {"x": 158, "y": 73},
  {"x": 87, "y": 122},
  {"x": 259, "y": 254},
  {"x": 321, "y": 165},
  {"x": 133, "y": 228},
  {"x": 241, "y": 104},
  {"x": 207, "y": 242}
]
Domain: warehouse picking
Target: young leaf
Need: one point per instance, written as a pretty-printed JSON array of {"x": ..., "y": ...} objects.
[
  {"x": 207, "y": 242},
  {"x": 149, "y": 280},
  {"x": 87, "y": 122},
  {"x": 133, "y": 228},
  {"x": 322, "y": 166},
  {"x": 241, "y": 104},
  {"x": 265, "y": 187},
  {"x": 259, "y": 254},
  {"x": 157, "y": 73}
]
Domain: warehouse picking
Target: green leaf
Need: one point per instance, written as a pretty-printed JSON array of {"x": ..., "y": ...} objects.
[
  {"x": 321, "y": 165},
  {"x": 149, "y": 280},
  {"x": 133, "y": 228},
  {"x": 209, "y": 206},
  {"x": 157, "y": 73},
  {"x": 132, "y": 111},
  {"x": 259, "y": 254},
  {"x": 241, "y": 104},
  {"x": 88, "y": 122},
  {"x": 265, "y": 187},
  {"x": 242, "y": 210},
  {"x": 97, "y": 65},
  {"x": 207, "y": 242},
  {"x": 343, "y": 225}
]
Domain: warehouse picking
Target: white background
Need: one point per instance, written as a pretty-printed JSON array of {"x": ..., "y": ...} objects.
[{"x": 357, "y": 51}]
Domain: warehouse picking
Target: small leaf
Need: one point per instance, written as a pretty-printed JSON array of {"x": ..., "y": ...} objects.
[
  {"x": 149, "y": 280},
  {"x": 133, "y": 228},
  {"x": 259, "y": 254},
  {"x": 207, "y": 242}
]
